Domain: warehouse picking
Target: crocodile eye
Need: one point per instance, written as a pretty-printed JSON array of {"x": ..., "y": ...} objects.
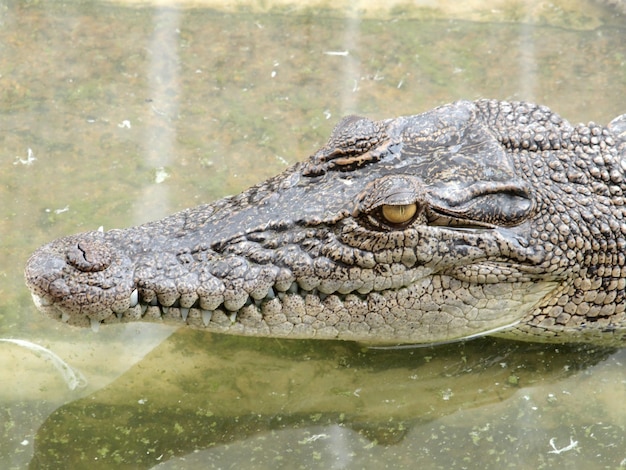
[{"x": 398, "y": 214}]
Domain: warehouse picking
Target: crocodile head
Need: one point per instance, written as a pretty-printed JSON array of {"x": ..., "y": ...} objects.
[{"x": 470, "y": 219}]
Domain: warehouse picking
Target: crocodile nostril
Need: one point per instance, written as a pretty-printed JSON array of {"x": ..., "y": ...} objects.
[{"x": 89, "y": 256}]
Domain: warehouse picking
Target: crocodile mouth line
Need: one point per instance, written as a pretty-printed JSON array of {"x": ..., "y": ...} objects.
[
  {"x": 140, "y": 309},
  {"x": 273, "y": 293}
]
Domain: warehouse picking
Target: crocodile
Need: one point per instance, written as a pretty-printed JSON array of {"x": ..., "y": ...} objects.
[{"x": 474, "y": 218}]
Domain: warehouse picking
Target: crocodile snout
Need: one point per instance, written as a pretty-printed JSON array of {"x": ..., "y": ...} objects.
[{"x": 81, "y": 279}]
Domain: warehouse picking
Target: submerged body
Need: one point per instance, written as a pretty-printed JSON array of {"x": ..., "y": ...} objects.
[{"x": 474, "y": 218}]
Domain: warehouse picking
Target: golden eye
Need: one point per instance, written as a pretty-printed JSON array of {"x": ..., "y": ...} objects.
[{"x": 400, "y": 214}]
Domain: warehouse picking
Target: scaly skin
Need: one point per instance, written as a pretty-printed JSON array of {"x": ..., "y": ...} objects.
[{"x": 470, "y": 219}]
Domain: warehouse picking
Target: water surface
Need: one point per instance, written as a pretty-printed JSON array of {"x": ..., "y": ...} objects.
[{"x": 113, "y": 115}]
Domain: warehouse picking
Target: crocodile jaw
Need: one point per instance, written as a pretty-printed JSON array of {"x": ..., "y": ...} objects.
[
  {"x": 422, "y": 307},
  {"x": 307, "y": 315}
]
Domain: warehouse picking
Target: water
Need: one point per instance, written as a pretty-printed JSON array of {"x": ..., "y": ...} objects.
[{"x": 117, "y": 114}]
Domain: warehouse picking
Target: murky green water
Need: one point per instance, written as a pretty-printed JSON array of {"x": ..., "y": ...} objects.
[{"x": 111, "y": 115}]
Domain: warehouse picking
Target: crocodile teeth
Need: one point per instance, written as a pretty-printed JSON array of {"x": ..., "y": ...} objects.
[
  {"x": 41, "y": 301},
  {"x": 230, "y": 307},
  {"x": 95, "y": 325},
  {"x": 184, "y": 312}
]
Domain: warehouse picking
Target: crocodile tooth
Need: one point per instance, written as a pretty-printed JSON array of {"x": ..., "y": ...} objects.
[
  {"x": 233, "y": 317},
  {"x": 101, "y": 229},
  {"x": 206, "y": 317},
  {"x": 65, "y": 317},
  {"x": 293, "y": 288},
  {"x": 41, "y": 301},
  {"x": 165, "y": 310},
  {"x": 270, "y": 294},
  {"x": 144, "y": 308},
  {"x": 134, "y": 298},
  {"x": 154, "y": 302},
  {"x": 95, "y": 325},
  {"x": 184, "y": 312},
  {"x": 119, "y": 315}
]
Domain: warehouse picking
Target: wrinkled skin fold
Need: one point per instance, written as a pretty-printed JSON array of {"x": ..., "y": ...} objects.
[{"x": 473, "y": 218}]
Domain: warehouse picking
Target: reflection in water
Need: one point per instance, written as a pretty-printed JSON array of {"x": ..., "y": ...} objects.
[
  {"x": 350, "y": 70},
  {"x": 163, "y": 76},
  {"x": 286, "y": 402},
  {"x": 73, "y": 378},
  {"x": 528, "y": 62}
]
